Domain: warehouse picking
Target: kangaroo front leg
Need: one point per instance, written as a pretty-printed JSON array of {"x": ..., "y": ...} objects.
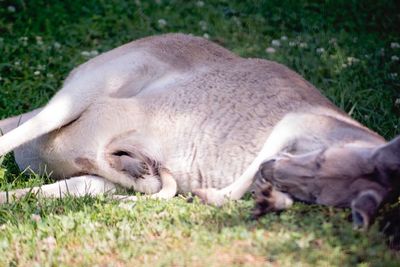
[
  {"x": 169, "y": 186},
  {"x": 168, "y": 190},
  {"x": 75, "y": 186}
]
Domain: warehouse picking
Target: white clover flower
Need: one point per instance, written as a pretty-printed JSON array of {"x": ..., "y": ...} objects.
[
  {"x": 394, "y": 58},
  {"x": 206, "y": 35},
  {"x": 397, "y": 102},
  {"x": 292, "y": 43},
  {"x": 41, "y": 67},
  {"x": 270, "y": 50},
  {"x": 352, "y": 60},
  {"x": 344, "y": 65},
  {"x": 1, "y": 78},
  {"x": 203, "y": 25},
  {"x": 276, "y": 43},
  {"x": 24, "y": 40},
  {"x": 17, "y": 63},
  {"x": 50, "y": 75},
  {"x": 394, "y": 45},
  {"x": 11, "y": 9},
  {"x": 85, "y": 53},
  {"x": 393, "y": 75},
  {"x": 320, "y": 50},
  {"x": 39, "y": 40},
  {"x": 162, "y": 23},
  {"x": 284, "y": 38},
  {"x": 36, "y": 73},
  {"x": 303, "y": 45},
  {"x": 57, "y": 45},
  {"x": 199, "y": 3},
  {"x": 93, "y": 53}
]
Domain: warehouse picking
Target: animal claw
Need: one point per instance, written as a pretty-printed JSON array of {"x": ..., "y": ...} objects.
[{"x": 210, "y": 196}]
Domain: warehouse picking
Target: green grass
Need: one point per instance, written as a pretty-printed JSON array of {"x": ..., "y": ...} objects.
[{"x": 346, "y": 48}]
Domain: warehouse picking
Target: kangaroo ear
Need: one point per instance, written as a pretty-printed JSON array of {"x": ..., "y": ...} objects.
[{"x": 387, "y": 158}]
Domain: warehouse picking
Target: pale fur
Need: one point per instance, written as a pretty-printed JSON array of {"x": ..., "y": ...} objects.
[{"x": 206, "y": 117}]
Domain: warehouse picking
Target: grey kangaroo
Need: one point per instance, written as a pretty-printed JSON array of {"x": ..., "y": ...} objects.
[{"x": 176, "y": 113}]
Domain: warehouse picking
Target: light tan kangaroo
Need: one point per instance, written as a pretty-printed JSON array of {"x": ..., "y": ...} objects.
[{"x": 175, "y": 113}]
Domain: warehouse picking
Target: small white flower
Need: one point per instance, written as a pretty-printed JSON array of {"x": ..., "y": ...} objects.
[
  {"x": 50, "y": 75},
  {"x": 11, "y": 9},
  {"x": 41, "y": 67},
  {"x": 203, "y": 25},
  {"x": 394, "y": 45},
  {"x": 284, "y": 38},
  {"x": 36, "y": 73},
  {"x": 397, "y": 102},
  {"x": 57, "y": 45},
  {"x": 24, "y": 40},
  {"x": 162, "y": 23},
  {"x": 394, "y": 58},
  {"x": 1, "y": 78},
  {"x": 344, "y": 65},
  {"x": 320, "y": 50},
  {"x": 352, "y": 60},
  {"x": 200, "y": 3},
  {"x": 270, "y": 50},
  {"x": 276, "y": 43},
  {"x": 85, "y": 53},
  {"x": 303, "y": 45},
  {"x": 17, "y": 63},
  {"x": 93, "y": 53},
  {"x": 206, "y": 35},
  {"x": 292, "y": 43},
  {"x": 39, "y": 40}
]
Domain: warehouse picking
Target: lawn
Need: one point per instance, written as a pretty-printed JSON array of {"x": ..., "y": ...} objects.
[{"x": 349, "y": 49}]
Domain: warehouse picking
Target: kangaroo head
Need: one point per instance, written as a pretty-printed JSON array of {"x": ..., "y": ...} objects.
[{"x": 343, "y": 176}]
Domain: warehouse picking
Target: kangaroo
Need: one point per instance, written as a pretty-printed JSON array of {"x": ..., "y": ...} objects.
[{"x": 176, "y": 114}]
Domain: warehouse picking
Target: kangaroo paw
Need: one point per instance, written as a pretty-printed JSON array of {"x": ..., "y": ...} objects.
[{"x": 211, "y": 196}]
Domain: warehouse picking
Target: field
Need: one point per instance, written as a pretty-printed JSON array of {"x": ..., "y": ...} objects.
[{"x": 349, "y": 49}]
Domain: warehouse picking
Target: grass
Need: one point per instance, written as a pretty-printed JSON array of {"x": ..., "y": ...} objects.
[{"x": 348, "y": 49}]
